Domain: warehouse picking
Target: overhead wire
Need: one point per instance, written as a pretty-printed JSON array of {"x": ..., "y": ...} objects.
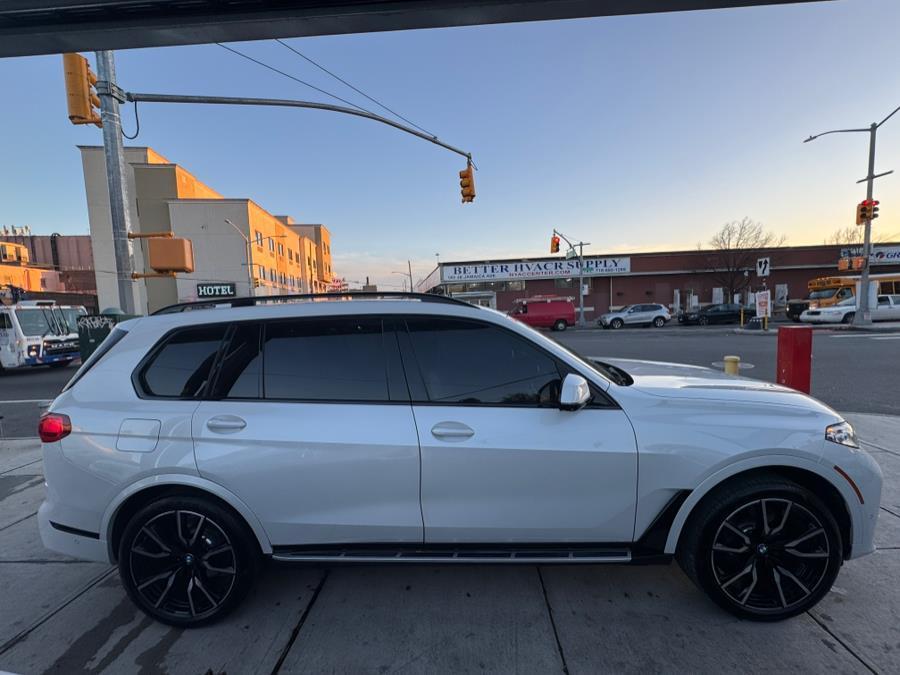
[
  {"x": 356, "y": 89},
  {"x": 295, "y": 79}
]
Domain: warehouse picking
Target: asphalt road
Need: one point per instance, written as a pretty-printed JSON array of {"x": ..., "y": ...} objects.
[{"x": 852, "y": 372}]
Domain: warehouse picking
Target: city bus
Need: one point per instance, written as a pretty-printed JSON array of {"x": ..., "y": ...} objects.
[
  {"x": 38, "y": 332},
  {"x": 828, "y": 291}
]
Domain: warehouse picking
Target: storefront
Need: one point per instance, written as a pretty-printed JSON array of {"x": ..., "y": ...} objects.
[{"x": 677, "y": 279}]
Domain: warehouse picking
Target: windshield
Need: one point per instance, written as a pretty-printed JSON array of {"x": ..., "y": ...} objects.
[
  {"x": 824, "y": 293},
  {"x": 848, "y": 301},
  {"x": 69, "y": 317},
  {"x": 36, "y": 321}
]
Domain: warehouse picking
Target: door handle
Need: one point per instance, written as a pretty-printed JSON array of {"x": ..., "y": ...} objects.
[
  {"x": 225, "y": 423},
  {"x": 452, "y": 431}
]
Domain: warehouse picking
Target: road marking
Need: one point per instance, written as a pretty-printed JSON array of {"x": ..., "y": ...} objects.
[
  {"x": 874, "y": 336},
  {"x": 886, "y": 337}
]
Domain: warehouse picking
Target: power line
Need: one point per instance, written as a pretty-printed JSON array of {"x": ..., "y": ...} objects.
[
  {"x": 357, "y": 90},
  {"x": 296, "y": 79}
]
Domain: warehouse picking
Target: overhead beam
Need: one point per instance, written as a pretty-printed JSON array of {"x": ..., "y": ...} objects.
[{"x": 29, "y": 27}]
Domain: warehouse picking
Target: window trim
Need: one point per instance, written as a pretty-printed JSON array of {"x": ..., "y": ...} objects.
[
  {"x": 413, "y": 369},
  {"x": 153, "y": 352}
]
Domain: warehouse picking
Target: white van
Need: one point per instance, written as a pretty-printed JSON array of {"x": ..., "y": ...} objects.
[{"x": 38, "y": 332}]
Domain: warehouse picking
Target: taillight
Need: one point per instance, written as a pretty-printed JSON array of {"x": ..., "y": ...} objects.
[{"x": 54, "y": 427}]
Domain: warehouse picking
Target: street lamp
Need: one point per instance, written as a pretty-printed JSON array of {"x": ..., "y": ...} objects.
[
  {"x": 247, "y": 245},
  {"x": 863, "y": 316},
  {"x": 407, "y": 274}
]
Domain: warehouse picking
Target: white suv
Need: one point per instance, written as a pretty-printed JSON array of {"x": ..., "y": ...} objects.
[{"x": 422, "y": 429}]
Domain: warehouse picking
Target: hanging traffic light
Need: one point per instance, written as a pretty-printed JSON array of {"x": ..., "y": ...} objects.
[
  {"x": 858, "y": 262},
  {"x": 861, "y": 213},
  {"x": 554, "y": 244},
  {"x": 843, "y": 264},
  {"x": 873, "y": 209},
  {"x": 81, "y": 97},
  {"x": 467, "y": 184}
]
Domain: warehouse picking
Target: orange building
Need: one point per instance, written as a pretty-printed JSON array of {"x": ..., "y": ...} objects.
[{"x": 16, "y": 271}]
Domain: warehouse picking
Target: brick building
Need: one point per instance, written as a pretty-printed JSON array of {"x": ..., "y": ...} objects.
[{"x": 678, "y": 279}]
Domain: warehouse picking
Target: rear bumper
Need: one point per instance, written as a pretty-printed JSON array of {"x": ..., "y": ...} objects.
[{"x": 86, "y": 546}]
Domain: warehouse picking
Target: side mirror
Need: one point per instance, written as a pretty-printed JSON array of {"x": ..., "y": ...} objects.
[{"x": 575, "y": 393}]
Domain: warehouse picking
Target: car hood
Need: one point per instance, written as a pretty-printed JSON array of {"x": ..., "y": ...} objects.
[{"x": 676, "y": 380}]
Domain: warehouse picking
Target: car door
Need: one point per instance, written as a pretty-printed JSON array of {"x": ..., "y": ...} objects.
[
  {"x": 500, "y": 461},
  {"x": 309, "y": 423},
  {"x": 632, "y": 315}
]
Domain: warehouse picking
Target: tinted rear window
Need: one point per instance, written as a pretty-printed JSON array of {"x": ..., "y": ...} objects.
[
  {"x": 180, "y": 367},
  {"x": 325, "y": 360}
]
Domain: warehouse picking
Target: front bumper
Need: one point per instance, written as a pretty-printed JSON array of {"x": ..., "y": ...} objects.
[
  {"x": 50, "y": 358},
  {"x": 864, "y": 472}
]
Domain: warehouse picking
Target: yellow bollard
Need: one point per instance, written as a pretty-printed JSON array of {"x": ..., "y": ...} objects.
[
  {"x": 742, "y": 317},
  {"x": 732, "y": 364}
]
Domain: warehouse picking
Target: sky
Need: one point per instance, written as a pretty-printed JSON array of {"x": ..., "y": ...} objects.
[{"x": 632, "y": 133}]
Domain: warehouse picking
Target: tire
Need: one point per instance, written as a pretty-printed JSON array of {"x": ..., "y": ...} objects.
[
  {"x": 765, "y": 581},
  {"x": 560, "y": 325},
  {"x": 659, "y": 322},
  {"x": 201, "y": 572},
  {"x": 703, "y": 321},
  {"x": 616, "y": 323},
  {"x": 848, "y": 317}
]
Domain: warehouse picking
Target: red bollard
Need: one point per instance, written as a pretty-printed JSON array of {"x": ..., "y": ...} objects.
[{"x": 794, "y": 367}]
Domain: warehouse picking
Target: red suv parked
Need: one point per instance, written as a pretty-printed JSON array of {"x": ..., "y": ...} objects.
[{"x": 544, "y": 312}]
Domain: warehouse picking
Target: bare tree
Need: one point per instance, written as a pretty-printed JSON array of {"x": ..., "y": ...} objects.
[
  {"x": 852, "y": 235},
  {"x": 734, "y": 249}
]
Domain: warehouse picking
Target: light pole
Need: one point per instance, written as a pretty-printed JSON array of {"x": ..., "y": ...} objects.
[
  {"x": 247, "y": 245},
  {"x": 407, "y": 274},
  {"x": 864, "y": 316},
  {"x": 580, "y": 245}
]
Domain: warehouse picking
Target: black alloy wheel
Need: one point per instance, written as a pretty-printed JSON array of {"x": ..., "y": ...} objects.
[
  {"x": 186, "y": 562},
  {"x": 765, "y": 554},
  {"x": 703, "y": 321}
]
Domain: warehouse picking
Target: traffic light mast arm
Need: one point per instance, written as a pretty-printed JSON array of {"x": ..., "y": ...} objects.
[{"x": 289, "y": 103}]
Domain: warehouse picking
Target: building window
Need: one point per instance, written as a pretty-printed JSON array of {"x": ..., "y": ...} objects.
[
  {"x": 271, "y": 244},
  {"x": 262, "y": 272},
  {"x": 290, "y": 255},
  {"x": 280, "y": 248},
  {"x": 258, "y": 238}
]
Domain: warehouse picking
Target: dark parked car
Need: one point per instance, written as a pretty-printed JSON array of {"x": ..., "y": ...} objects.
[{"x": 724, "y": 313}]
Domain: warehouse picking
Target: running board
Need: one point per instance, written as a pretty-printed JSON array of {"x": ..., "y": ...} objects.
[{"x": 444, "y": 555}]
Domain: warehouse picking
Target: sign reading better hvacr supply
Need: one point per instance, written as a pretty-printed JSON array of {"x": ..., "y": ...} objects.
[{"x": 550, "y": 268}]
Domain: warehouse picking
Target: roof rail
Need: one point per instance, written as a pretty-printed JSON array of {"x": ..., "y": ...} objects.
[{"x": 278, "y": 299}]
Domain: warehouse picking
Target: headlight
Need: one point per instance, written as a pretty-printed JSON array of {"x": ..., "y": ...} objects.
[{"x": 842, "y": 433}]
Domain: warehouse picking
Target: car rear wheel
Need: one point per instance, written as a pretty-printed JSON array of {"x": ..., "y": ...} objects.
[
  {"x": 560, "y": 325},
  {"x": 616, "y": 323},
  {"x": 848, "y": 317},
  {"x": 659, "y": 322},
  {"x": 187, "y": 561},
  {"x": 763, "y": 549}
]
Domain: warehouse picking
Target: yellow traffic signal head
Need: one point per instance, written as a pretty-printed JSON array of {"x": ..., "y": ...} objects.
[
  {"x": 467, "y": 184},
  {"x": 554, "y": 244},
  {"x": 81, "y": 98}
]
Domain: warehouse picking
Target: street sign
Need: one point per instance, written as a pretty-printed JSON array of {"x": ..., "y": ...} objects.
[
  {"x": 763, "y": 265},
  {"x": 764, "y": 303},
  {"x": 571, "y": 254},
  {"x": 222, "y": 290}
]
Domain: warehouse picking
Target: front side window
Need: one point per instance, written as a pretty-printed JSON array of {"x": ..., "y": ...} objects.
[
  {"x": 180, "y": 368},
  {"x": 325, "y": 360},
  {"x": 468, "y": 362}
]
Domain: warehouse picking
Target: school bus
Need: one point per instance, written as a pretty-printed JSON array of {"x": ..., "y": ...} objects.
[{"x": 828, "y": 291}]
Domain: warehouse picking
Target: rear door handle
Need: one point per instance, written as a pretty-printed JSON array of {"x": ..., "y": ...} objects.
[
  {"x": 225, "y": 424},
  {"x": 452, "y": 431}
]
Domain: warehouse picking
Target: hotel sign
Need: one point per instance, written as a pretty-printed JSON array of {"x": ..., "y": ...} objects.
[{"x": 549, "y": 268}]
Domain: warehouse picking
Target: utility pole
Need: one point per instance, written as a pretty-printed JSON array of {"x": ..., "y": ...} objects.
[
  {"x": 409, "y": 267},
  {"x": 247, "y": 246},
  {"x": 580, "y": 245},
  {"x": 864, "y": 315},
  {"x": 114, "y": 154}
]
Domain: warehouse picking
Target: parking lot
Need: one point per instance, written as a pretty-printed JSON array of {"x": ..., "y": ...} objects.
[{"x": 61, "y": 615}]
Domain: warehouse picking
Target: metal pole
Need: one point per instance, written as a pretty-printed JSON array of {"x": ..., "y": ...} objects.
[
  {"x": 581, "y": 323},
  {"x": 114, "y": 153},
  {"x": 250, "y": 289},
  {"x": 864, "y": 316},
  {"x": 409, "y": 267}
]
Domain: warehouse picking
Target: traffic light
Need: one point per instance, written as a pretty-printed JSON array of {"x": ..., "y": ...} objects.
[
  {"x": 81, "y": 97},
  {"x": 554, "y": 244},
  {"x": 858, "y": 262},
  {"x": 467, "y": 184},
  {"x": 867, "y": 209},
  {"x": 843, "y": 264}
]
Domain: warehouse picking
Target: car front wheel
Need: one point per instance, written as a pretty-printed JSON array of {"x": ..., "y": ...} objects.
[
  {"x": 848, "y": 317},
  {"x": 616, "y": 323},
  {"x": 703, "y": 321},
  {"x": 764, "y": 549},
  {"x": 187, "y": 561}
]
